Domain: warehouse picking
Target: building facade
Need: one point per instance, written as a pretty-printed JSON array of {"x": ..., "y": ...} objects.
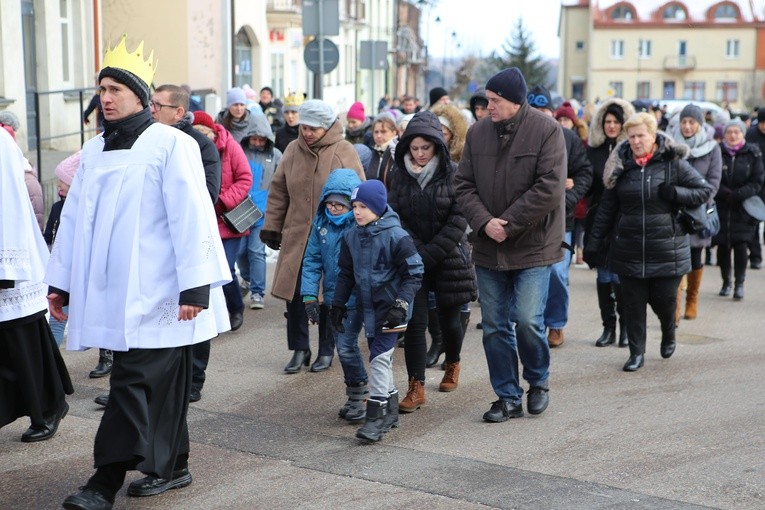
[{"x": 704, "y": 50}]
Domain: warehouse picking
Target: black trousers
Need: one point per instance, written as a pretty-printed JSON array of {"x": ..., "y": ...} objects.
[
  {"x": 755, "y": 248},
  {"x": 297, "y": 325},
  {"x": 739, "y": 250},
  {"x": 415, "y": 343},
  {"x": 660, "y": 293}
]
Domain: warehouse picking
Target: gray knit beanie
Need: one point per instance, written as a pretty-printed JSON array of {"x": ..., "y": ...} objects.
[
  {"x": 316, "y": 113},
  {"x": 692, "y": 111}
]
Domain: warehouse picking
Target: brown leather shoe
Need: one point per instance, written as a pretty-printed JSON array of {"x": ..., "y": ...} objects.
[
  {"x": 555, "y": 337},
  {"x": 415, "y": 397},
  {"x": 451, "y": 377}
]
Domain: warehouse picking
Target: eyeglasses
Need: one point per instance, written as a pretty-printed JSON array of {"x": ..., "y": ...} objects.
[
  {"x": 158, "y": 106},
  {"x": 337, "y": 206}
]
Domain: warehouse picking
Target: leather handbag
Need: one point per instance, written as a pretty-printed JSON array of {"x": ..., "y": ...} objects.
[
  {"x": 694, "y": 220},
  {"x": 755, "y": 207},
  {"x": 242, "y": 217}
]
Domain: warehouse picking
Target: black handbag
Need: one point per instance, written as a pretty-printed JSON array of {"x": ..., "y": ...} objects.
[
  {"x": 242, "y": 217},
  {"x": 694, "y": 220}
]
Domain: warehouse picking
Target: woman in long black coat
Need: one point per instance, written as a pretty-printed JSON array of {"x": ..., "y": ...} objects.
[
  {"x": 650, "y": 250},
  {"x": 742, "y": 177},
  {"x": 422, "y": 193}
]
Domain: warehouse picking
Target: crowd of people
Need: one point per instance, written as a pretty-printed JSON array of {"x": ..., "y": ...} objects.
[{"x": 389, "y": 225}]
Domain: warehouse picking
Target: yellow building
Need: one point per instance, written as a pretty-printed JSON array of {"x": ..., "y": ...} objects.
[{"x": 704, "y": 50}]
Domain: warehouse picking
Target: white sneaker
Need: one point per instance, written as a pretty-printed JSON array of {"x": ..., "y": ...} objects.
[{"x": 256, "y": 302}]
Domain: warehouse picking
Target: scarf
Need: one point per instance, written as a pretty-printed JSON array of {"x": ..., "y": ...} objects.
[
  {"x": 121, "y": 134},
  {"x": 733, "y": 149},
  {"x": 643, "y": 160},
  {"x": 337, "y": 220},
  {"x": 700, "y": 144},
  {"x": 425, "y": 174}
]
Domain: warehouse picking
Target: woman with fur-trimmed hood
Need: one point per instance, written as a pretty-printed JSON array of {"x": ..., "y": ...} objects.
[
  {"x": 606, "y": 131},
  {"x": 454, "y": 127}
]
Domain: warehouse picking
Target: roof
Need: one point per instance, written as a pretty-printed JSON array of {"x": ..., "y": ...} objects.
[{"x": 646, "y": 10}]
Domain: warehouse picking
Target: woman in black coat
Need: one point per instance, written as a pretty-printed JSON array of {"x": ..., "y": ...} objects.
[
  {"x": 650, "y": 250},
  {"x": 742, "y": 177},
  {"x": 422, "y": 193}
]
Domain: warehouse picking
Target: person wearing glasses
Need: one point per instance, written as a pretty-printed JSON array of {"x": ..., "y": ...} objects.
[
  {"x": 237, "y": 118},
  {"x": 320, "y": 269}
]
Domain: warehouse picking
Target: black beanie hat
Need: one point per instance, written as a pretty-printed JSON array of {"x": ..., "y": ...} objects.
[
  {"x": 539, "y": 97},
  {"x": 509, "y": 84},
  {"x": 616, "y": 111},
  {"x": 128, "y": 79},
  {"x": 761, "y": 114},
  {"x": 436, "y": 94}
]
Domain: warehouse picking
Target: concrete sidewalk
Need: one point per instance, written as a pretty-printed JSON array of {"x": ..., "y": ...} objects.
[{"x": 680, "y": 433}]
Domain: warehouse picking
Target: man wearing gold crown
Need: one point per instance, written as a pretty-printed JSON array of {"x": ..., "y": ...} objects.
[{"x": 136, "y": 254}]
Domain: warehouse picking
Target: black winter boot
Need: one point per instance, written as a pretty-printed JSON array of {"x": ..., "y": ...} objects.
[
  {"x": 355, "y": 409},
  {"x": 104, "y": 367},
  {"x": 391, "y": 419},
  {"x": 373, "y": 429},
  {"x": 437, "y": 343},
  {"x": 607, "y": 304}
]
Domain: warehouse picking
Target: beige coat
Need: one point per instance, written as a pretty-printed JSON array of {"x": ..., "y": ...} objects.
[{"x": 294, "y": 198}]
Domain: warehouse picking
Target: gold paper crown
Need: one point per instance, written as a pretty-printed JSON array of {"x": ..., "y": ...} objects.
[
  {"x": 120, "y": 58},
  {"x": 293, "y": 100}
]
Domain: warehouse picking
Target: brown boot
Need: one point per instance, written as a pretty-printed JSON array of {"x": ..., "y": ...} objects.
[
  {"x": 451, "y": 377},
  {"x": 415, "y": 397},
  {"x": 555, "y": 337},
  {"x": 678, "y": 305},
  {"x": 692, "y": 297}
]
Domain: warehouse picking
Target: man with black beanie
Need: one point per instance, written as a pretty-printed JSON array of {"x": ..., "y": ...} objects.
[
  {"x": 510, "y": 187},
  {"x": 137, "y": 253}
]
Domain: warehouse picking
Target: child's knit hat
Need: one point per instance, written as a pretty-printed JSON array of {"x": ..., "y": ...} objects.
[{"x": 373, "y": 195}]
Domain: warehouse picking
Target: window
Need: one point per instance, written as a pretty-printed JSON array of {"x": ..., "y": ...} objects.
[
  {"x": 577, "y": 90},
  {"x": 65, "y": 43},
  {"x": 579, "y": 45},
  {"x": 616, "y": 88},
  {"x": 644, "y": 48},
  {"x": 726, "y": 11},
  {"x": 669, "y": 90},
  {"x": 277, "y": 73},
  {"x": 726, "y": 91},
  {"x": 694, "y": 90},
  {"x": 643, "y": 89},
  {"x": 617, "y": 49},
  {"x": 674, "y": 12},
  {"x": 623, "y": 13},
  {"x": 731, "y": 48},
  {"x": 242, "y": 59}
]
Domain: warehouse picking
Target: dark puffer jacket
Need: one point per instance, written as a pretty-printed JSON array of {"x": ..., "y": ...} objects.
[
  {"x": 433, "y": 218},
  {"x": 647, "y": 239},
  {"x": 742, "y": 177}
]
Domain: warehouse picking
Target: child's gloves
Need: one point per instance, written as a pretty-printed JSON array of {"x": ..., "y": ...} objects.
[
  {"x": 336, "y": 315},
  {"x": 311, "y": 309},
  {"x": 396, "y": 315}
]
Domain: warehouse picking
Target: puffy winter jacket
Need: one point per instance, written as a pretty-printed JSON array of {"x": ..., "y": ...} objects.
[
  {"x": 648, "y": 240},
  {"x": 235, "y": 179},
  {"x": 263, "y": 163},
  {"x": 742, "y": 177}
]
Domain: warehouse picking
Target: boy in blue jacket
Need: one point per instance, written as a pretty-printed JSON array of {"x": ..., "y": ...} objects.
[
  {"x": 322, "y": 253},
  {"x": 380, "y": 264}
]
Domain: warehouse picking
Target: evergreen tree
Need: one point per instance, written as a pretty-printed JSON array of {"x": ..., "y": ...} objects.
[{"x": 520, "y": 51}]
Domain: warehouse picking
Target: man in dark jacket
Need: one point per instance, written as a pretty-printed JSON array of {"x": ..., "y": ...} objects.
[
  {"x": 578, "y": 182},
  {"x": 756, "y": 135},
  {"x": 510, "y": 186}
]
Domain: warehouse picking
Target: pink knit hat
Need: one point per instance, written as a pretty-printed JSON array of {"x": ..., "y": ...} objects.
[
  {"x": 356, "y": 112},
  {"x": 67, "y": 168}
]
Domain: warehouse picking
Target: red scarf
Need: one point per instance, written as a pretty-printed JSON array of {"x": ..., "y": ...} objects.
[{"x": 643, "y": 160}]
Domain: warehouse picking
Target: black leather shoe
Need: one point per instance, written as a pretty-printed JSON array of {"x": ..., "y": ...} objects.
[
  {"x": 87, "y": 499},
  {"x": 236, "y": 319},
  {"x": 102, "y": 399},
  {"x": 48, "y": 429},
  {"x": 537, "y": 400},
  {"x": 756, "y": 264},
  {"x": 195, "y": 395},
  {"x": 738, "y": 291},
  {"x": 725, "y": 291},
  {"x": 151, "y": 485},
  {"x": 321, "y": 364},
  {"x": 634, "y": 363},
  {"x": 607, "y": 338},
  {"x": 104, "y": 367},
  {"x": 502, "y": 410},
  {"x": 668, "y": 349},
  {"x": 299, "y": 359}
]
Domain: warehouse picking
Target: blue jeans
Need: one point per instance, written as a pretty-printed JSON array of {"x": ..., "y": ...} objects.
[
  {"x": 252, "y": 261},
  {"x": 348, "y": 349},
  {"x": 234, "y": 301},
  {"x": 556, "y": 310},
  {"x": 58, "y": 327},
  {"x": 606, "y": 276},
  {"x": 512, "y": 315}
]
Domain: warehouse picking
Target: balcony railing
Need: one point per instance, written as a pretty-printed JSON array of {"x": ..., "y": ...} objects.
[
  {"x": 680, "y": 63},
  {"x": 283, "y": 5}
]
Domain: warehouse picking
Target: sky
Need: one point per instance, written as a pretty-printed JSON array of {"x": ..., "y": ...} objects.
[{"x": 483, "y": 25}]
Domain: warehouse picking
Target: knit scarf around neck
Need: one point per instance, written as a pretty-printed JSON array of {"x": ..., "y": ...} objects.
[
  {"x": 643, "y": 160},
  {"x": 426, "y": 174},
  {"x": 700, "y": 144},
  {"x": 733, "y": 149}
]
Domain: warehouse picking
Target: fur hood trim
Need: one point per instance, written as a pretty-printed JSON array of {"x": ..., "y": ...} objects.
[
  {"x": 668, "y": 150},
  {"x": 597, "y": 135}
]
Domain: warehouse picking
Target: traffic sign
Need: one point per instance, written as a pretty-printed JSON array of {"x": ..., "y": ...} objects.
[{"x": 311, "y": 56}]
